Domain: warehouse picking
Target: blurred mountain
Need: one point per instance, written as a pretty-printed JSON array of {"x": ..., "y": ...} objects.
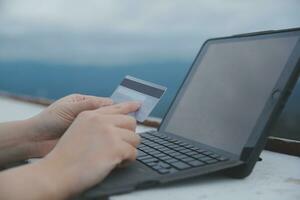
[{"x": 54, "y": 81}]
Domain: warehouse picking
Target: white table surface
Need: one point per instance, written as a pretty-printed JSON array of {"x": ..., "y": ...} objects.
[{"x": 276, "y": 177}]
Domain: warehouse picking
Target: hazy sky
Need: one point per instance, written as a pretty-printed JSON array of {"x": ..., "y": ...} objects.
[{"x": 123, "y": 32}]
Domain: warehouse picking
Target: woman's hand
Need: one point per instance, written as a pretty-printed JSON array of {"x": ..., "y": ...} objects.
[
  {"x": 95, "y": 143},
  {"x": 51, "y": 123}
]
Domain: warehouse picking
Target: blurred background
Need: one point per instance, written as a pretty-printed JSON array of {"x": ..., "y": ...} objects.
[{"x": 53, "y": 48}]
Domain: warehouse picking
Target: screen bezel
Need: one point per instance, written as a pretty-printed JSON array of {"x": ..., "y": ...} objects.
[{"x": 266, "y": 116}]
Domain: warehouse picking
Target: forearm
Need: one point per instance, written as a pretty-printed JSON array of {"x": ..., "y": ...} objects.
[
  {"x": 32, "y": 181},
  {"x": 15, "y": 141}
]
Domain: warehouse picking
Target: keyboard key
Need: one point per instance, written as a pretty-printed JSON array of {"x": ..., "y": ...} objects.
[
  {"x": 222, "y": 158},
  {"x": 177, "y": 142},
  {"x": 180, "y": 148},
  {"x": 152, "y": 164},
  {"x": 144, "y": 157},
  {"x": 173, "y": 146},
  {"x": 180, "y": 165},
  {"x": 160, "y": 155},
  {"x": 189, "y": 159},
  {"x": 205, "y": 159},
  {"x": 163, "y": 171},
  {"x": 164, "y": 165},
  {"x": 163, "y": 149},
  {"x": 207, "y": 152},
  {"x": 175, "y": 154},
  {"x": 149, "y": 160},
  {"x": 200, "y": 150},
  {"x": 156, "y": 139},
  {"x": 211, "y": 161},
  {"x": 153, "y": 151},
  {"x": 184, "y": 144},
  {"x": 185, "y": 151},
  {"x": 196, "y": 163},
  {"x": 141, "y": 153},
  {"x": 188, "y": 146},
  {"x": 156, "y": 167},
  {"x": 214, "y": 155},
  {"x": 173, "y": 140},
  {"x": 166, "y": 158},
  {"x": 192, "y": 153},
  {"x": 170, "y": 151},
  {"x": 170, "y": 161},
  {"x": 153, "y": 132},
  {"x": 157, "y": 146},
  {"x": 182, "y": 156},
  {"x": 145, "y": 149},
  {"x": 199, "y": 156},
  {"x": 166, "y": 143}
]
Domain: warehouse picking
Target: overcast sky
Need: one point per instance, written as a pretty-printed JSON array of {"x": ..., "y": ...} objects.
[{"x": 110, "y": 33}]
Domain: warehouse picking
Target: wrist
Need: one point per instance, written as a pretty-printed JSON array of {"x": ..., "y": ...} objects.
[
  {"x": 30, "y": 137},
  {"x": 16, "y": 141},
  {"x": 55, "y": 179},
  {"x": 39, "y": 180},
  {"x": 37, "y": 142}
]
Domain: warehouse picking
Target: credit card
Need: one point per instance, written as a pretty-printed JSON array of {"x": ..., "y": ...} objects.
[{"x": 134, "y": 89}]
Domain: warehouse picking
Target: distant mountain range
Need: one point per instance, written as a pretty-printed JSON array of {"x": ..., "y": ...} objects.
[{"x": 54, "y": 81}]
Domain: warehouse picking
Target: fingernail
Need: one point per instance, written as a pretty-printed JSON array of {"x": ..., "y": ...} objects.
[{"x": 138, "y": 103}]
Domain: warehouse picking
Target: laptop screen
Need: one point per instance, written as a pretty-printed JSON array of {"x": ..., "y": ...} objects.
[{"x": 227, "y": 89}]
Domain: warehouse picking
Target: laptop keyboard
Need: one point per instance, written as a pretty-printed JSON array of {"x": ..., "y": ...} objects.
[{"x": 168, "y": 155}]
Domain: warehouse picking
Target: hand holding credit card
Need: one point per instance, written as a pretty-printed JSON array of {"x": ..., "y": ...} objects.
[{"x": 134, "y": 89}]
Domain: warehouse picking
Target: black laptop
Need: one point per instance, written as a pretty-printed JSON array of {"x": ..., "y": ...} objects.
[{"x": 221, "y": 115}]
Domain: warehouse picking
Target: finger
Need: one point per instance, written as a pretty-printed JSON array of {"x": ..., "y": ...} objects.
[
  {"x": 76, "y": 98},
  {"x": 129, "y": 153},
  {"x": 121, "y": 121},
  {"x": 97, "y": 102},
  {"x": 121, "y": 108},
  {"x": 124, "y": 164},
  {"x": 129, "y": 136},
  {"x": 92, "y": 103}
]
